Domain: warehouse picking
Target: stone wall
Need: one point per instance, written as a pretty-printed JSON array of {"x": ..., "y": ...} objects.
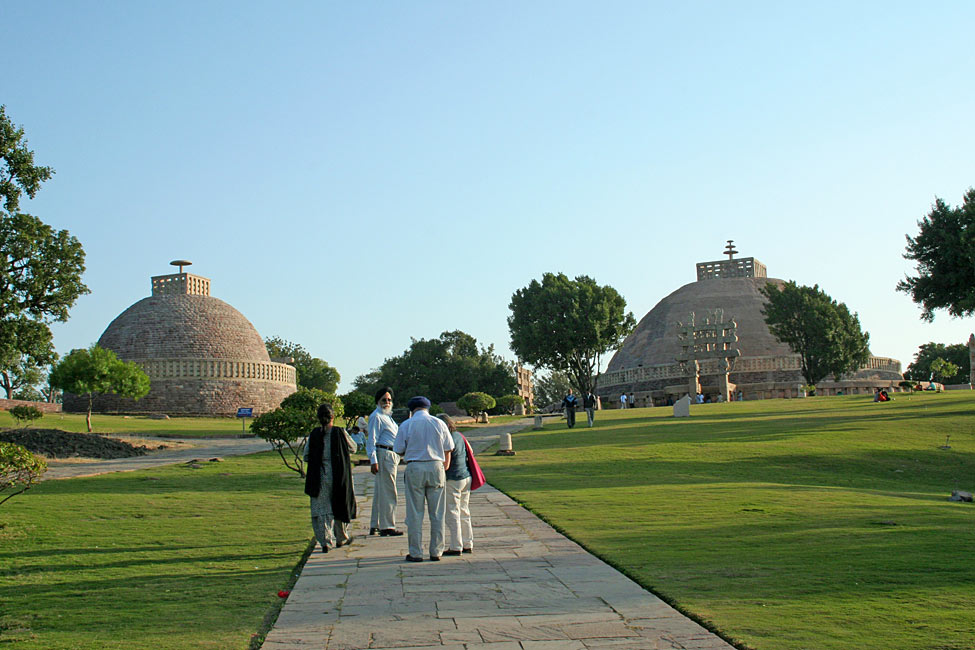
[{"x": 44, "y": 407}]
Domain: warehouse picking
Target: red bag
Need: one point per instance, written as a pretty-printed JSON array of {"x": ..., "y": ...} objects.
[{"x": 477, "y": 476}]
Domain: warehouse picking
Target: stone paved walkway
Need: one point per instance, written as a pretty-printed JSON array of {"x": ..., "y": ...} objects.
[{"x": 525, "y": 587}]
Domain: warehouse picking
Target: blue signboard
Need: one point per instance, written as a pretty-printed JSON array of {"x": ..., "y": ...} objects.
[{"x": 245, "y": 413}]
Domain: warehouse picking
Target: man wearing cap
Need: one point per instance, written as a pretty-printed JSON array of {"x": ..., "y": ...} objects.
[
  {"x": 384, "y": 461},
  {"x": 425, "y": 443}
]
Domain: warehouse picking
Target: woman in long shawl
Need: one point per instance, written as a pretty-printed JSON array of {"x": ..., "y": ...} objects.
[{"x": 328, "y": 481}]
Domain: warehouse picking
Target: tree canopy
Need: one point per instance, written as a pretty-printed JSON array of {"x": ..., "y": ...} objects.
[
  {"x": 312, "y": 371},
  {"x": 357, "y": 404},
  {"x": 955, "y": 353},
  {"x": 476, "y": 403},
  {"x": 442, "y": 369},
  {"x": 943, "y": 370},
  {"x": 18, "y": 173},
  {"x": 98, "y": 371},
  {"x": 40, "y": 268},
  {"x": 567, "y": 325},
  {"x": 823, "y": 332},
  {"x": 551, "y": 388},
  {"x": 944, "y": 250},
  {"x": 286, "y": 428}
]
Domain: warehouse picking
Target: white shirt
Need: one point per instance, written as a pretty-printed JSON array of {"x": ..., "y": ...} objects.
[
  {"x": 382, "y": 431},
  {"x": 423, "y": 437}
]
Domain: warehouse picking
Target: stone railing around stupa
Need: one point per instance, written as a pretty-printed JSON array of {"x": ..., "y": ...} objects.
[
  {"x": 669, "y": 371},
  {"x": 166, "y": 369}
]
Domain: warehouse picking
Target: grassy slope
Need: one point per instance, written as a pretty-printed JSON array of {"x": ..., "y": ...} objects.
[
  {"x": 818, "y": 523},
  {"x": 168, "y": 558}
]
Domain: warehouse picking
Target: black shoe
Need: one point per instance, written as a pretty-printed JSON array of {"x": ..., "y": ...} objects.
[
  {"x": 434, "y": 558},
  {"x": 373, "y": 531},
  {"x": 449, "y": 552},
  {"x": 345, "y": 543},
  {"x": 468, "y": 550},
  {"x": 390, "y": 532},
  {"x": 324, "y": 549},
  {"x": 410, "y": 558}
]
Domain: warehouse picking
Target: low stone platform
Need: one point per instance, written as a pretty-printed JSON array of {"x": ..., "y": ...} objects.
[{"x": 525, "y": 587}]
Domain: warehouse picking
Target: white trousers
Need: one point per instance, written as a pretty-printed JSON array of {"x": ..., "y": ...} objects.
[
  {"x": 425, "y": 483},
  {"x": 457, "y": 521},
  {"x": 384, "y": 491}
]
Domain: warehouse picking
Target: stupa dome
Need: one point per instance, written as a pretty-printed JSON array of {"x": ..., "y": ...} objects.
[
  {"x": 710, "y": 336},
  {"x": 655, "y": 341},
  {"x": 183, "y": 326},
  {"x": 203, "y": 357}
]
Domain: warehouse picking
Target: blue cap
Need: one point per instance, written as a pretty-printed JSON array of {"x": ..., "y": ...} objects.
[{"x": 418, "y": 403}]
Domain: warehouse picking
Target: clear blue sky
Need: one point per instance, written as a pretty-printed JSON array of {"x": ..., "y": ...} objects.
[{"x": 351, "y": 175}]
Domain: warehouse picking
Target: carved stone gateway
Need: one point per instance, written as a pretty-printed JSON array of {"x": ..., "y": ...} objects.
[
  {"x": 713, "y": 342},
  {"x": 971, "y": 359}
]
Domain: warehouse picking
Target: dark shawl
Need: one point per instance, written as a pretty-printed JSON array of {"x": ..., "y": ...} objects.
[{"x": 343, "y": 498}]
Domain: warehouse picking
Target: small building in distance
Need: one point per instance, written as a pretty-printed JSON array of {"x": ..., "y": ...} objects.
[
  {"x": 710, "y": 336},
  {"x": 203, "y": 357},
  {"x": 526, "y": 389}
]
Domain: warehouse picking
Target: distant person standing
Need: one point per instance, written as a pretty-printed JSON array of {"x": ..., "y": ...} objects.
[
  {"x": 457, "y": 520},
  {"x": 623, "y": 401},
  {"x": 569, "y": 403},
  {"x": 589, "y": 403},
  {"x": 383, "y": 464},
  {"x": 425, "y": 443}
]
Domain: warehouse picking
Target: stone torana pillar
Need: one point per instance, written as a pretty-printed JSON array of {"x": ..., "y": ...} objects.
[{"x": 971, "y": 359}]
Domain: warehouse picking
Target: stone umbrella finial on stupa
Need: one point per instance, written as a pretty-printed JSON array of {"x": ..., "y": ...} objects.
[
  {"x": 181, "y": 264},
  {"x": 729, "y": 250}
]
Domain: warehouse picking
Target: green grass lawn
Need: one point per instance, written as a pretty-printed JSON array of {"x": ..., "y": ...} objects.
[
  {"x": 136, "y": 425},
  {"x": 167, "y": 558},
  {"x": 784, "y": 524}
]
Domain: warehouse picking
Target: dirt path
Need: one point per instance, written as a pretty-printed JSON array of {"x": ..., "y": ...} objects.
[{"x": 190, "y": 448}]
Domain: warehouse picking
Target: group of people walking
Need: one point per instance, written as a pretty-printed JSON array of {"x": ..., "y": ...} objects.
[
  {"x": 440, "y": 473},
  {"x": 570, "y": 403}
]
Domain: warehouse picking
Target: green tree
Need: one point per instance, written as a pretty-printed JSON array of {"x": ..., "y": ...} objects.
[
  {"x": 312, "y": 371},
  {"x": 21, "y": 378},
  {"x": 24, "y": 413},
  {"x": 442, "y": 369},
  {"x": 476, "y": 403},
  {"x": 18, "y": 469},
  {"x": 509, "y": 403},
  {"x": 286, "y": 428},
  {"x": 567, "y": 325},
  {"x": 956, "y": 353},
  {"x": 944, "y": 250},
  {"x": 40, "y": 268},
  {"x": 551, "y": 388},
  {"x": 825, "y": 335},
  {"x": 357, "y": 404},
  {"x": 943, "y": 370},
  {"x": 98, "y": 371},
  {"x": 18, "y": 173}
]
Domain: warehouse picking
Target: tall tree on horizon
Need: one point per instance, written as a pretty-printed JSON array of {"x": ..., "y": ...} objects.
[
  {"x": 823, "y": 332},
  {"x": 944, "y": 250},
  {"x": 40, "y": 268},
  {"x": 567, "y": 325}
]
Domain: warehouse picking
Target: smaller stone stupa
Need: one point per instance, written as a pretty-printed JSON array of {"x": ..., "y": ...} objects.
[{"x": 203, "y": 357}]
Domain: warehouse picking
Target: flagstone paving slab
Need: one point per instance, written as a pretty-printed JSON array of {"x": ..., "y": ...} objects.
[{"x": 525, "y": 587}]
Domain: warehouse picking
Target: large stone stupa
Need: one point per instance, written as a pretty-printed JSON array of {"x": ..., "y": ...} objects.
[
  {"x": 710, "y": 335},
  {"x": 203, "y": 357}
]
